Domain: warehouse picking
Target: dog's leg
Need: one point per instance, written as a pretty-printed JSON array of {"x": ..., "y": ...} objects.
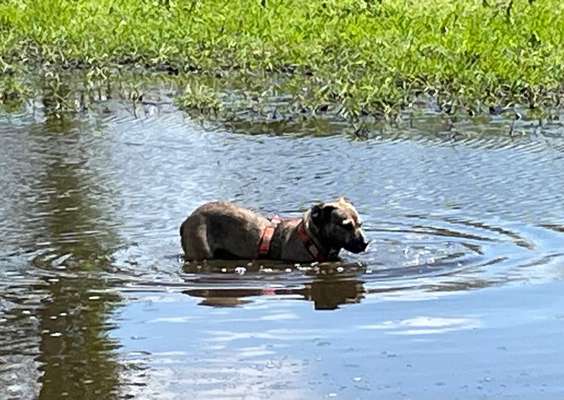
[{"x": 196, "y": 247}]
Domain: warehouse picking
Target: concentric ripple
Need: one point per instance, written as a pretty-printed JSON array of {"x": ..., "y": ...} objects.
[{"x": 409, "y": 256}]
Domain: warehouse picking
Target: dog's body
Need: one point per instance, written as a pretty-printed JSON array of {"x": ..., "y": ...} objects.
[{"x": 222, "y": 230}]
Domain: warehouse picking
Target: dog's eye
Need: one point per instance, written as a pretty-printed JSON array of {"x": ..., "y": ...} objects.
[{"x": 347, "y": 224}]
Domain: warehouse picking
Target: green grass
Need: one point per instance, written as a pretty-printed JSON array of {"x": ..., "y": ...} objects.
[{"x": 357, "y": 57}]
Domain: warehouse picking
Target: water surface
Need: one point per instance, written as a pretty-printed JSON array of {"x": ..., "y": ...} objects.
[{"x": 459, "y": 295}]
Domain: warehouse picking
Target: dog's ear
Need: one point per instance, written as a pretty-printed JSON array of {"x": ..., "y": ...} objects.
[
  {"x": 321, "y": 212},
  {"x": 344, "y": 200},
  {"x": 316, "y": 213}
]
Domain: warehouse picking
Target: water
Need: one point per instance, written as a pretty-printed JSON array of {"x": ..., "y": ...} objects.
[{"x": 459, "y": 295}]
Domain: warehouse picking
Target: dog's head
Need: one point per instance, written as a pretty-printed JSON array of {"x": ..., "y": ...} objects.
[{"x": 338, "y": 225}]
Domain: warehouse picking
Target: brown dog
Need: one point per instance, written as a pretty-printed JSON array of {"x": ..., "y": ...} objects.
[{"x": 223, "y": 230}]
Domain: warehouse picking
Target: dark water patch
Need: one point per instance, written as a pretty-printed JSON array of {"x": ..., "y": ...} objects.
[{"x": 53, "y": 338}]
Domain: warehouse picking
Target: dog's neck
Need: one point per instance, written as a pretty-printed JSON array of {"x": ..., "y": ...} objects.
[{"x": 308, "y": 239}]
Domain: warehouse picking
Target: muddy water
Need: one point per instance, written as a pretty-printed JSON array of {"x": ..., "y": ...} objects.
[{"x": 459, "y": 295}]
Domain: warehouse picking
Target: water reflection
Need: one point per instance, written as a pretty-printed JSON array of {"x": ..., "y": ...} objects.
[
  {"x": 75, "y": 353},
  {"x": 65, "y": 316},
  {"x": 425, "y": 325},
  {"x": 326, "y": 294}
]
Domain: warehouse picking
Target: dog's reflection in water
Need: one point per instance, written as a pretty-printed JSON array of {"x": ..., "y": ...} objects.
[{"x": 332, "y": 284}]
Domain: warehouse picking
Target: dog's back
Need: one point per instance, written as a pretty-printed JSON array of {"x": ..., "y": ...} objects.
[{"x": 221, "y": 230}]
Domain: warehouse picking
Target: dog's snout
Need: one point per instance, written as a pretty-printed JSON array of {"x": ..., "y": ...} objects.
[
  {"x": 362, "y": 244},
  {"x": 358, "y": 243}
]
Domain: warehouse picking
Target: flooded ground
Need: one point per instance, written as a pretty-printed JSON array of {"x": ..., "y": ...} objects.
[{"x": 458, "y": 297}]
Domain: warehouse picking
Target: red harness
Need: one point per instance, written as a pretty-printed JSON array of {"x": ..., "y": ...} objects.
[
  {"x": 309, "y": 244},
  {"x": 268, "y": 233},
  {"x": 266, "y": 237}
]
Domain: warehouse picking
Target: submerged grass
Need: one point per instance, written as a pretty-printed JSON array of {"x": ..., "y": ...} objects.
[{"x": 352, "y": 57}]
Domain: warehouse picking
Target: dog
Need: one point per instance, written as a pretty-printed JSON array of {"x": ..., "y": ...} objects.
[{"x": 223, "y": 230}]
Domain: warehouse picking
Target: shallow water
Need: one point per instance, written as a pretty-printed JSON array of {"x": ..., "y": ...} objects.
[{"x": 459, "y": 295}]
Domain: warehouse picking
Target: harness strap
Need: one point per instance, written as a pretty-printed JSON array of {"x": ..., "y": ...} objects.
[
  {"x": 266, "y": 237},
  {"x": 268, "y": 233},
  {"x": 309, "y": 244}
]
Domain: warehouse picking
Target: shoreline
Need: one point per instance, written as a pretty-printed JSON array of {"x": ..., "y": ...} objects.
[{"x": 354, "y": 58}]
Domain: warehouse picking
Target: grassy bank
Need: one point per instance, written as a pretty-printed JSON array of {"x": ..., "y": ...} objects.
[{"x": 352, "y": 56}]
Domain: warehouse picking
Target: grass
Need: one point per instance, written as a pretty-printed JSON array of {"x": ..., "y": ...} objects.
[{"x": 351, "y": 57}]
